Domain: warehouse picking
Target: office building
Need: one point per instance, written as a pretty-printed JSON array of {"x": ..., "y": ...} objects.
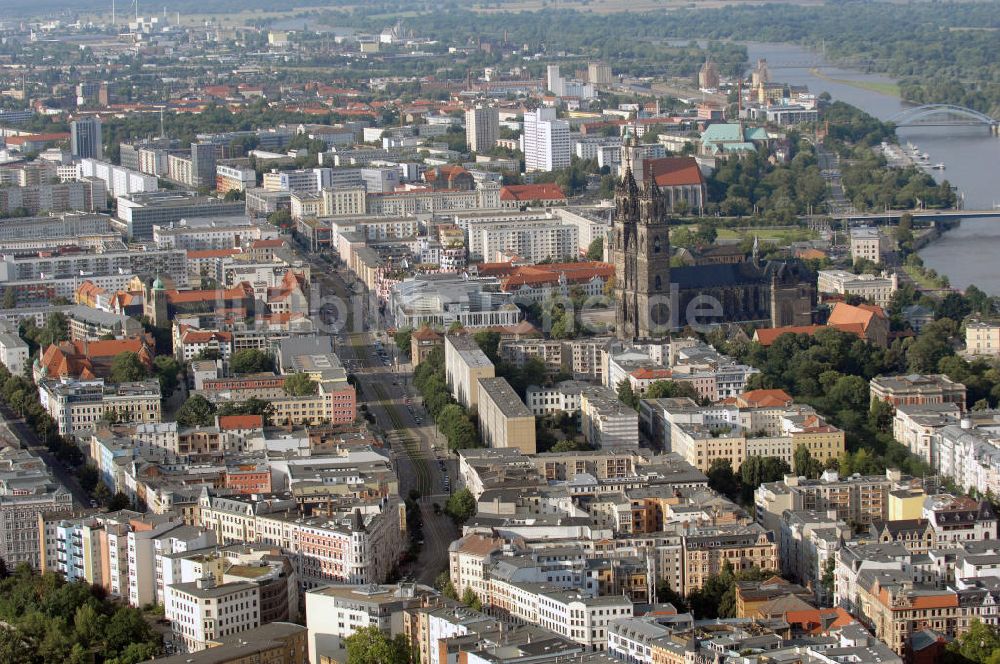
[
  {"x": 85, "y": 138},
  {"x": 917, "y": 390},
  {"x": 875, "y": 289},
  {"x": 203, "y": 157},
  {"x": 138, "y": 213}
]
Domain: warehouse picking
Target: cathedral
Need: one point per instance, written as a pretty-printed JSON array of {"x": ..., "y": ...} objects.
[{"x": 648, "y": 304}]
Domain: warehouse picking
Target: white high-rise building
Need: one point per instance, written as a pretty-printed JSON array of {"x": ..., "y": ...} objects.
[
  {"x": 545, "y": 141},
  {"x": 482, "y": 128}
]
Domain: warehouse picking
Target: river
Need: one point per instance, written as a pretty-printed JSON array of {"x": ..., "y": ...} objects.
[{"x": 971, "y": 157}]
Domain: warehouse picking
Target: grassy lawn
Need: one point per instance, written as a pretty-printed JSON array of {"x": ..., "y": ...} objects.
[
  {"x": 921, "y": 281},
  {"x": 777, "y": 235},
  {"x": 886, "y": 88}
]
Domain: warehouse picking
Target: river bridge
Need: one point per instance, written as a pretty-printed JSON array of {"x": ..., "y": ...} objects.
[
  {"x": 894, "y": 215},
  {"x": 942, "y": 115}
]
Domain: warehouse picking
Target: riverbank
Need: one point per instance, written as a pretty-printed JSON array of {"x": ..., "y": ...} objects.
[{"x": 890, "y": 89}]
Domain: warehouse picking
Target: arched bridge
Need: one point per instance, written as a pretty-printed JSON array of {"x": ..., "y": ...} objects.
[{"x": 942, "y": 115}]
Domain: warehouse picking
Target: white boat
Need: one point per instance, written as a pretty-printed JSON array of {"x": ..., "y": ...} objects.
[{"x": 938, "y": 166}]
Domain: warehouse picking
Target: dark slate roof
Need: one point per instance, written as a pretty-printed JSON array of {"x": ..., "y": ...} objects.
[{"x": 738, "y": 274}]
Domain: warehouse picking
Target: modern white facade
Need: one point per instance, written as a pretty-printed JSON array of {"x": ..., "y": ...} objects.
[
  {"x": 117, "y": 179},
  {"x": 200, "y": 612},
  {"x": 545, "y": 141}
]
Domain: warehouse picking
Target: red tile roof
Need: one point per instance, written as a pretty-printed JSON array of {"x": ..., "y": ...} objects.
[
  {"x": 675, "y": 171},
  {"x": 766, "y": 398},
  {"x": 537, "y": 275},
  {"x": 231, "y": 422},
  {"x": 768, "y": 335},
  {"x": 265, "y": 244},
  {"x": 846, "y": 314},
  {"x": 200, "y": 337},
  {"x": 646, "y": 373},
  {"x": 425, "y": 334},
  {"x": 526, "y": 193},
  {"x": 36, "y": 138},
  {"x": 180, "y": 297}
]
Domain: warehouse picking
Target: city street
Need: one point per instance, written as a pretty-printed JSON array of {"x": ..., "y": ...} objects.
[
  {"x": 15, "y": 428},
  {"x": 385, "y": 390}
]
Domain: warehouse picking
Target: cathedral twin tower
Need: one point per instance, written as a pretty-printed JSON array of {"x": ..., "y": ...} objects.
[{"x": 639, "y": 248}]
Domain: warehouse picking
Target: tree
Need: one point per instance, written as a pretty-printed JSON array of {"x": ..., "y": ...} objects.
[
  {"x": 805, "y": 464},
  {"x": 977, "y": 644},
  {"x": 443, "y": 583},
  {"x": 119, "y": 501},
  {"x": 721, "y": 478},
  {"x": 705, "y": 601},
  {"x": 666, "y": 389},
  {"x": 126, "y": 627},
  {"x": 757, "y": 470},
  {"x": 595, "y": 251},
  {"x": 461, "y": 506},
  {"x": 567, "y": 445},
  {"x": 251, "y": 360},
  {"x": 664, "y": 593},
  {"x": 299, "y": 384},
  {"x": 471, "y": 600},
  {"x": 166, "y": 369},
  {"x": 563, "y": 325},
  {"x": 14, "y": 647},
  {"x": 368, "y": 645},
  {"x": 9, "y": 298},
  {"x": 489, "y": 342},
  {"x": 252, "y": 406},
  {"x": 196, "y": 411},
  {"x": 626, "y": 395},
  {"x": 282, "y": 219},
  {"x": 127, "y": 368},
  {"x": 827, "y": 579},
  {"x": 402, "y": 339}
]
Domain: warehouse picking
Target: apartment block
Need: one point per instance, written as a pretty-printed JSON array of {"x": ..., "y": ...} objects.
[
  {"x": 606, "y": 422},
  {"x": 212, "y": 233},
  {"x": 465, "y": 363},
  {"x": 201, "y": 611},
  {"x": 482, "y": 128},
  {"x": 707, "y": 550},
  {"x": 79, "y": 405},
  {"x": 861, "y": 499},
  {"x": 504, "y": 420},
  {"x": 761, "y": 423},
  {"x": 87, "y": 195},
  {"x": 545, "y": 141},
  {"x": 868, "y": 243}
]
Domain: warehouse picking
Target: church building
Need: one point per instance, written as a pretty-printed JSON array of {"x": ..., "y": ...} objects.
[{"x": 651, "y": 299}]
